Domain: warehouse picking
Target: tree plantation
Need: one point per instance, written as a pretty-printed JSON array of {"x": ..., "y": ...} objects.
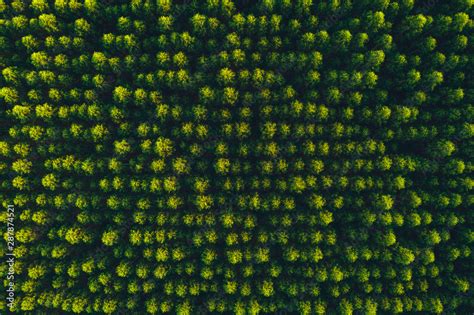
[{"x": 237, "y": 156}]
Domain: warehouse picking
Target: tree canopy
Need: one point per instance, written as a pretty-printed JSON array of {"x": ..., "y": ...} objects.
[{"x": 238, "y": 157}]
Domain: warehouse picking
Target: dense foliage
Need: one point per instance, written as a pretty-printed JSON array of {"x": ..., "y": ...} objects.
[{"x": 241, "y": 157}]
